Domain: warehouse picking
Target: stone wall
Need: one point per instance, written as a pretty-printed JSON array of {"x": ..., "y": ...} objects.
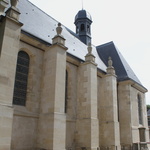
[
  {"x": 128, "y": 113},
  {"x": 97, "y": 106},
  {"x": 6, "y": 115},
  {"x": 10, "y": 31},
  {"x": 71, "y": 113},
  {"x": 26, "y": 117},
  {"x": 24, "y": 131}
]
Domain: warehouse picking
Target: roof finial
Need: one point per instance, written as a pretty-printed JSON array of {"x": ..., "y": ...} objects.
[
  {"x": 3, "y": 5},
  {"x": 14, "y": 2},
  {"x": 58, "y": 38},
  {"x": 110, "y": 69},
  {"x": 82, "y": 4},
  {"x": 89, "y": 48},
  {"x": 89, "y": 56},
  {"x": 59, "y": 29},
  {"x": 110, "y": 62}
]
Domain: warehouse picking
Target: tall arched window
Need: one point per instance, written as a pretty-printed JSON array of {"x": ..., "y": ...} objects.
[
  {"x": 66, "y": 91},
  {"x": 21, "y": 79},
  {"x": 140, "y": 109},
  {"x": 82, "y": 27}
]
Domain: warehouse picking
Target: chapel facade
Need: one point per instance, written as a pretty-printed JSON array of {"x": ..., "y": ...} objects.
[{"x": 60, "y": 92}]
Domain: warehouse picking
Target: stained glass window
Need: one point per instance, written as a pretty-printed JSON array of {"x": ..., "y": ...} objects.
[{"x": 21, "y": 79}]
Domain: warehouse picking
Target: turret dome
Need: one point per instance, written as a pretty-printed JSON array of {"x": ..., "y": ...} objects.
[
  {"x": 83, "y": 14},
  {"x": 83, "y": 21}
]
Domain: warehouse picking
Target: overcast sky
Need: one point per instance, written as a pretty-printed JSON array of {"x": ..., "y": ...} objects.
[{"x": 125, "y": 22}]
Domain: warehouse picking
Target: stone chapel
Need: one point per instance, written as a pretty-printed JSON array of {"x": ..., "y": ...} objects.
[{"x": 60, "y": 92}]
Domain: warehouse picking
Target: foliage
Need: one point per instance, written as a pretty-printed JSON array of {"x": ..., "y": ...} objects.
[{"x": 148, "y": 107}]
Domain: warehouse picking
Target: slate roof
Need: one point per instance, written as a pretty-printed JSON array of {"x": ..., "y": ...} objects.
[
  {"x": 123, "y": 70},
  {"x": 41, "y": 25}
]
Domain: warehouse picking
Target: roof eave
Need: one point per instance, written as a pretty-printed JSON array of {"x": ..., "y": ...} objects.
[
  {"x": 35, "y": 37},
  {"x": 134, "y": 84}
]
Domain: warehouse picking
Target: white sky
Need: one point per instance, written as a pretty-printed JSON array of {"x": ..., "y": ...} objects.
[{"x": 125, "y": 22}]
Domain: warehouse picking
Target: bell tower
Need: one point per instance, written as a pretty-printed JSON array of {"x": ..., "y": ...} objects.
[{"x": 83, "y": 22}]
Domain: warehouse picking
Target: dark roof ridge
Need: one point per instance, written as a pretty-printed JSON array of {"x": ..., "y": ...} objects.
[{"x": 105, "y": 44}]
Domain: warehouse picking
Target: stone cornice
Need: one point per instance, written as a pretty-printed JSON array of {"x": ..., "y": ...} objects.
[{"x": 135, "y": 85}]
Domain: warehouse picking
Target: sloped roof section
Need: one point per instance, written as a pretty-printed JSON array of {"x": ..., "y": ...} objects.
[
  {"x": 41, "y": 25},
  {"x": 123, "y": 70}
]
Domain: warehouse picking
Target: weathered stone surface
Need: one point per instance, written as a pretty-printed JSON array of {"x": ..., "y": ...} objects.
[{"x": 101, "y": 113}]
